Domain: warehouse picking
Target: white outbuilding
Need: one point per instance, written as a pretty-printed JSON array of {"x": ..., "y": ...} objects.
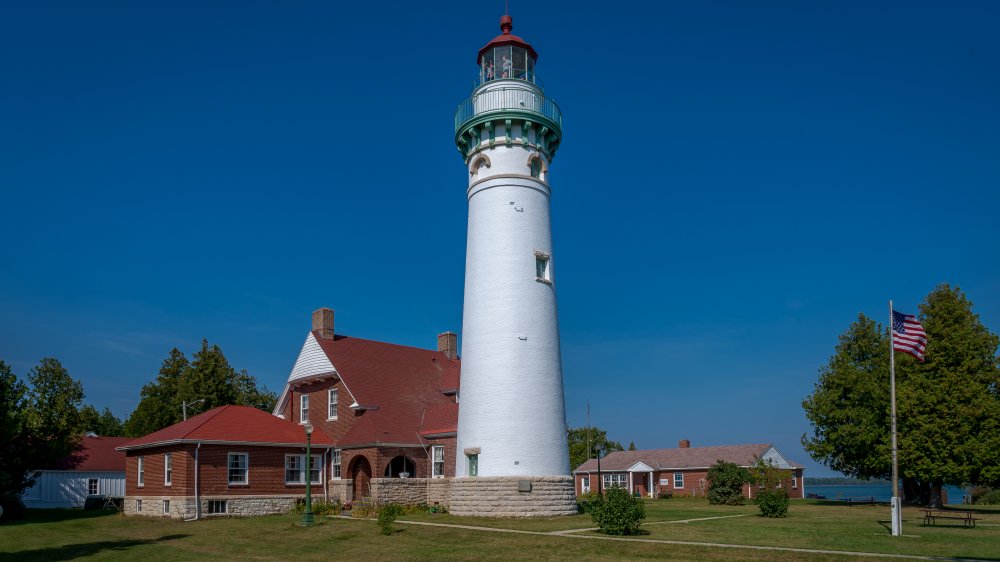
[{"x": 95, "y": 469}]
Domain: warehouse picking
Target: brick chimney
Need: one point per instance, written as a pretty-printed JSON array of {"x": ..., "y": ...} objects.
[
  {"x": 448, "y": 344},
  {"x": 684, "y": 444},
  {"x": 323, "y": 323}
]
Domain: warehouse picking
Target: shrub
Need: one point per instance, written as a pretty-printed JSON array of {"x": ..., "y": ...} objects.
[
  {"x": 12, "y": 508},
  {"x": 585, "y": 502},
  {"x": 364, "y": 510},
  {"x": 665, "y": 494},
  {"x": 725, "y": 483},
  {"x": 387, "y": 516},
  {"x": 772, "y": 503},
  {"x": 319, "y": 507},
  {"x": 619, "y": 513},
  {"x": 989, "y": 498}
]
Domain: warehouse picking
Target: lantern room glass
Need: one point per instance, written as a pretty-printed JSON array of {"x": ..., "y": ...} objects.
[{"x": 506, "y": 62}]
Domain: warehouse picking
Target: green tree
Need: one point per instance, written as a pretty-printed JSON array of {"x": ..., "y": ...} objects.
[
  {"x": 949, "y": 426},
  {"x": 104, "y": 424},
  {"x": 725, "y": 483},
  {"x": 631, "y": 445},
  {"x": 208, "y": 380},
  {"x": 15, "y": 458},
  {"x": 772, "y": 499},
  {"x": 849, "y": 408},
  {"x": 619, "y": 513},
  {"x": 585, "y": 441},
  {"x": 53, "y": 411},
  {"x": 159, "y": 405}
]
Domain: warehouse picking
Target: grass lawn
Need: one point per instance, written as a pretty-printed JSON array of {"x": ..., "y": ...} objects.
[{"x": 69, "y": 534}]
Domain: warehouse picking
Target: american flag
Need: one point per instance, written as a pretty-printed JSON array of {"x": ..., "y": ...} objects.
[{"x": 908, "y": 335}]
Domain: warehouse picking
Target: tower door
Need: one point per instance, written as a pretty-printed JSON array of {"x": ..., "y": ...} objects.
[{"x": 361, "y": 472}]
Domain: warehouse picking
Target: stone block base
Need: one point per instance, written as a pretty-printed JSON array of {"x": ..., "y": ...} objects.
[
  {"x": 183, "y": 507},
  {"x": 511, "y": 496}
]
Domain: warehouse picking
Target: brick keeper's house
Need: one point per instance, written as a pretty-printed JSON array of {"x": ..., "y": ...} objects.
[{"x": 384, "y": 417}]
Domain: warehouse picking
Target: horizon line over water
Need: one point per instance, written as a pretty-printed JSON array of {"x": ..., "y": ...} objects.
[{"x": 881, "y": 492}]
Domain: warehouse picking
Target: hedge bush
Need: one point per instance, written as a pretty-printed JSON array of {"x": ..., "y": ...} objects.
[
  {"x": 619, "y": 513},
  {"x": 725, "y": 483},
  {"x": 585, "y": 503},
  {"x": 387, "y": 516},
  {"x": 989, "y": 498},
  {"x": 772, "y": 503}
]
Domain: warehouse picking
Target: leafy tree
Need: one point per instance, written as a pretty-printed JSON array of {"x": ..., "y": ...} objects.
[
  {"x": 950, "y": 432},
  {"x": 585, "y": 441},
  {"x": 104, "y": 424},
  {"x": 725, "y": 483},
  {"x": 15, "y": 464},
  {"x": 207, "y": 379},
  {"x": 948, "y": 408},
  {"x": 53, "y": 411}
]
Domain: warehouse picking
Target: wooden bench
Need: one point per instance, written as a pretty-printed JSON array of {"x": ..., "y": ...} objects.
[
  {"x": 931, "y": 516},
  {"x": 860, "y": 501}
]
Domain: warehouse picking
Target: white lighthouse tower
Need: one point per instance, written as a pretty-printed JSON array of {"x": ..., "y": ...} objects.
[{"x": 512, "y": 457}]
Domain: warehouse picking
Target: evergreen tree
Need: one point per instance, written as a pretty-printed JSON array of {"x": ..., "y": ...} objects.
[
  {"x": 103, "y": 424},
  {"x": 159, "y": 405},
  {"x": 210, "y": 378},
  {"x": 15, "y": 458},
  {"x": 631, "y": 445}
]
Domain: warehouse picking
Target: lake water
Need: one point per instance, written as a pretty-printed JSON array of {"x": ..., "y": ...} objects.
[{"x": 881, "y": 492}]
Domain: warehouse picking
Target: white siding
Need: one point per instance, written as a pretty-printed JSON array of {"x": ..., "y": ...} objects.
[
  {"x": 68, "y": 488},
  {"x": 312, "y": 361},
  {"x": 776, "y": 458}
]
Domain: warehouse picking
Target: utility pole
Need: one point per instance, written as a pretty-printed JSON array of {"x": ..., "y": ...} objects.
[{"x": 184, "y": 406}]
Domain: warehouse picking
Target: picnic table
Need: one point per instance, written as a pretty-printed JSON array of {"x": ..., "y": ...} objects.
[{"x": 932, "y": 515}]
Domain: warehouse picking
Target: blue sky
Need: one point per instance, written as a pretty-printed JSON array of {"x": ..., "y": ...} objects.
[{"x": 737, "y": 182}]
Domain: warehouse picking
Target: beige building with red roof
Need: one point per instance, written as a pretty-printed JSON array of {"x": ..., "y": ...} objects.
[{"x": 680, "y": 471}]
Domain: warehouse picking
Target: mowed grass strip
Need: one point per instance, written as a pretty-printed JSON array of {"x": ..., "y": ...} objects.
[{"x": 68, "y": 534}]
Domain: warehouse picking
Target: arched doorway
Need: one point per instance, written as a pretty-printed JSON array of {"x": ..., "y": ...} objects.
[
  {"x": 361, "y": 472},
  {"x": 399, "y": 466}
]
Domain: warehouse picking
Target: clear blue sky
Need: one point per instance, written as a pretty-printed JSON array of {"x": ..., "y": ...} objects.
[{"x": 737, "y": 182}]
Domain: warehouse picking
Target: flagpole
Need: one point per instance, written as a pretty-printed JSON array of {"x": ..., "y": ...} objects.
[{"x": 896, "y": 506}]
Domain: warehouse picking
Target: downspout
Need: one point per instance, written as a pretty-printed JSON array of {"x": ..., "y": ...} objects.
[
  {"x": 197, "y": 498},
  {"x": 326, "y": 475}
]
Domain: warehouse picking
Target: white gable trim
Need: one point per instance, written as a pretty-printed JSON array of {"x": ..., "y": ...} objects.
[
  {"x": 772, "y": 456},
  {"x": 640, "y": 467},
  {"x": 312, "y": 361}
]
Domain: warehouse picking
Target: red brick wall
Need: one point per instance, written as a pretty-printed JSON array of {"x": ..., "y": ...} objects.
[
  {"x": 450, "y": 444},
  {"x": 266, "y": 473},
  {"x": 691, "y": 483},
  {"x": 318, "y": 402}
]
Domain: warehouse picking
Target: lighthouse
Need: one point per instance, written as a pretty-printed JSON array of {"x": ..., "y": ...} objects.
[{"x": 512, "y": 456}]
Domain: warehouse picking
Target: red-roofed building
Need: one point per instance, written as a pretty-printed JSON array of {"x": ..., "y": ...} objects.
[
  {"x": 384, "y": 419},
  {"x": 95, "y": 469},
  {"x": 681, "y": 471}
]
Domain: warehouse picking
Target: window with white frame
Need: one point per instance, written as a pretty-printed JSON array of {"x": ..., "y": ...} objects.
[
  {"x": 138, "y": 505},
  {"x": 168, "y": 468},
  {"x": 331, "y": 414},
  {"x": 584, "y": 484},
  {"x": 92, "y": 488},
  {"x": 336, "y": 463},
  {"x": 615, "y": 480},
  {"x": 795, "y": 481},
  {"x": 679, "y": 480},
  {"x": 166, "y": 506},
  {"x": 238, "y": 468},
  {"x": 303, "y": 408},
  {"x": 295, "y": 467},
  {"x": 437, "y": 460},
  {"x": 216, "y": 507},
  {"x": 140, "y": 470},
  {"x": 543, "y": 267}
]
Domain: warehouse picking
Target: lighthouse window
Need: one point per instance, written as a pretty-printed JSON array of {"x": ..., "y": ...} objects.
[
  {"x": 519, "y": 63},
  {"x": 543, "y": 270},
  {"x": 473, "y": 465},
  {"x": 536, "y": 168}
]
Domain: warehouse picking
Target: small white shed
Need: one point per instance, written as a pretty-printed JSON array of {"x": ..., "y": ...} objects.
[{"x": 96, "y": 469}]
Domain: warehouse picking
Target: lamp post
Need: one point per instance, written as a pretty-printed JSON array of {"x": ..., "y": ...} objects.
[
  {"x": 307, "y": 516},
  {"x": 599, "y": 449},
  {"x": 184, "y": 406}
]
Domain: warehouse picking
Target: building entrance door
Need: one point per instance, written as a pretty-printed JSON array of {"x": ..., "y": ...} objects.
[{"x": 361, "y": 472}]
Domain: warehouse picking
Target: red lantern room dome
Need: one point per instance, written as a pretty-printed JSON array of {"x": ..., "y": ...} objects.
[{"x": 507, "y": 56}]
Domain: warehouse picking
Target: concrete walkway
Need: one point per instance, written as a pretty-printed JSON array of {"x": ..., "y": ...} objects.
[{"x": 573, "y": 533}]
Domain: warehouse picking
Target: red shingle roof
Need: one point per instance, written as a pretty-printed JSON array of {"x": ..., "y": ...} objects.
[
  {"x": 231, "y": 424},
  {"x": 439, "y": 419},
  {"x": 691, "y": 457},
  {"x": 401, "y": 381},
  {"x": 96, "y": 454}
]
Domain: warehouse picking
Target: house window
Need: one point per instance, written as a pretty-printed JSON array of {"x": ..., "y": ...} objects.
[
  {"x": 615, "y": 481},
  {"x": 331, "y": 414},
  {"x": 472, "y": 464},
  {"x": 437, "y": 457},
  {"x": 795, "y": 482},
  {"x": 543, "y": 268},
  {"x": 295, "y": 469},
  {"x": 585, "y": 484},
  {"x": 216, "y": 507},
  {"x": 92, "y": 487},
  {"x": 138, "y": 506},
  {"x": 678, "y": 480},
  {"x": 141, "y": 476},
  {"x": 303, "y": 408},
  {"x": 238, "y": 468},
  {"x": 336, "y": 463},
  {"x": 166, "y": 506},
  {"x": 168, "y": 468}
]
